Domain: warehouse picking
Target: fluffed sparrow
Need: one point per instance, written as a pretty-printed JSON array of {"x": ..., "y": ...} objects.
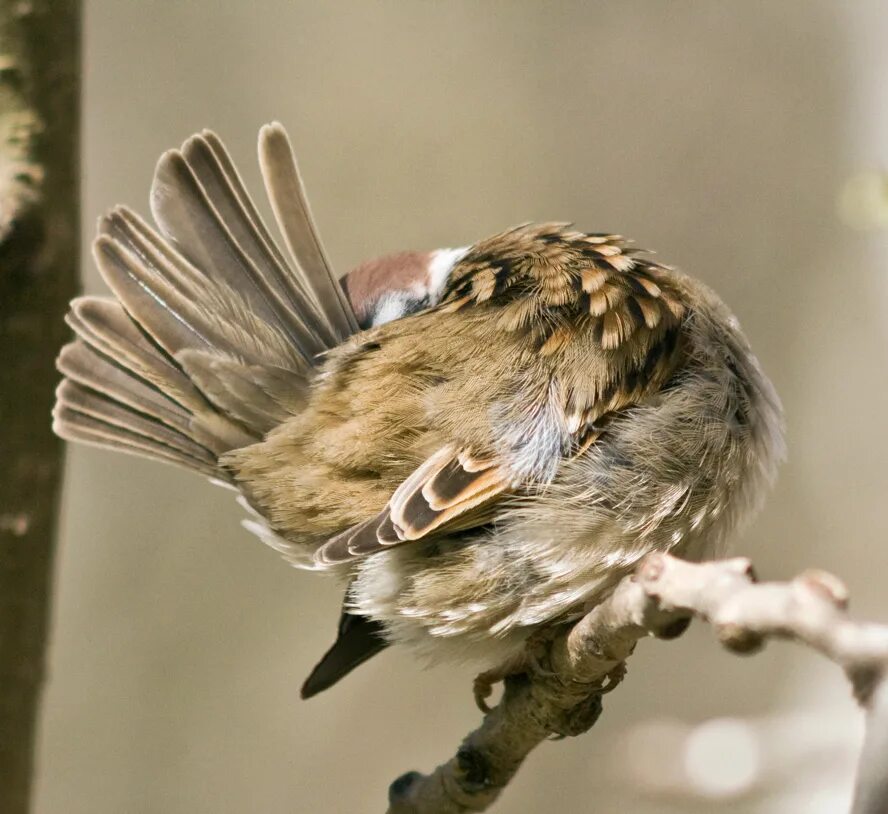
[{"x": 479, "y": 441}]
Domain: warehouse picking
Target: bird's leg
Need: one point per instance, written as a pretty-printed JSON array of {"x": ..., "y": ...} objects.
[
  {"x": 525, "y": 661},
  {"x": 486, "y": 681}
]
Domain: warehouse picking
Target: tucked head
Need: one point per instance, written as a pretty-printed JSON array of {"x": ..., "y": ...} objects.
[{"x": 392, "y": 286}]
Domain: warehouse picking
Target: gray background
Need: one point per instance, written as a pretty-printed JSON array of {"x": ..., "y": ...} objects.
[{"x": 719, "y": 134}]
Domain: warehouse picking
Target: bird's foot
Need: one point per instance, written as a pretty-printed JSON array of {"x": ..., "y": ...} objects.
[{"x": 486, "y": 681}]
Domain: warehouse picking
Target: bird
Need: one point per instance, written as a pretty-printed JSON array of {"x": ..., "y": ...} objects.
[{"x": 479, "y": 442}]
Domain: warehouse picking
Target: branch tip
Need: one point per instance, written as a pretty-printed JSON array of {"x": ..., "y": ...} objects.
[{"x": 589, "y": 659}]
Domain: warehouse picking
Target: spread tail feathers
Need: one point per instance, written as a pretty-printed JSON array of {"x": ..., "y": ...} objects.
[{"x": 212, "y": 335}]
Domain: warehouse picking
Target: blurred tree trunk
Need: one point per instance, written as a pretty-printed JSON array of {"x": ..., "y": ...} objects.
[{"x": 39, "y": 250}]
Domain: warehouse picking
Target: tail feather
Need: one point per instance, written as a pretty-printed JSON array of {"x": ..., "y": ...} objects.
[
  {"x": 114, "y": 413},
  {"x": 74, "y": 426},
  {"x": 358, "y": 639},
  {"x": 98, "y": 374},
  {"x": 191, "y": 222},
  {"x": 212, "y": 317},
  {"x": 240, "y": 390},
  {"x": 286, "y": 193},
  {"x": 107, "y": 329},
  {"x": 214, "y": 170},
  {"x": 213, "y": 336},
  {"x": 249, "y": 212}
]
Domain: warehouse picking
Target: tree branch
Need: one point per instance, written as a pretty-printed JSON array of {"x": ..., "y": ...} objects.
[
  {"x": 561, "y": 694},
  {"x": 39, "y": 249}
]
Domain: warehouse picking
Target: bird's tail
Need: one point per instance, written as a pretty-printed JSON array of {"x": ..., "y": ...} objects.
[{"x": 211, "y": 336}]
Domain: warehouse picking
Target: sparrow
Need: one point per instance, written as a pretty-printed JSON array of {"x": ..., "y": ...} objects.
[{"x": 479, "y": 442}]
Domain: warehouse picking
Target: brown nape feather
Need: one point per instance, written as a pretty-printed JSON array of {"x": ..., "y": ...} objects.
[
  {"x": 371, "y": 281},
  {"x": 213, "y": 339}
]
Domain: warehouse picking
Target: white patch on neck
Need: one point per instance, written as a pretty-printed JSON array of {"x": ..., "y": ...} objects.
[
  {"x": 391, "y": 307},
  {"x": 440, "y": 266}
]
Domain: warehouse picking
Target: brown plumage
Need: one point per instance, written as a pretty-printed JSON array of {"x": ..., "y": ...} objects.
[{"x": 480, "y": 441}]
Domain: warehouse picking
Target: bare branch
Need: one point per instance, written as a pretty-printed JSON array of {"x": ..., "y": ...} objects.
[{"x": 561, "y": 694}]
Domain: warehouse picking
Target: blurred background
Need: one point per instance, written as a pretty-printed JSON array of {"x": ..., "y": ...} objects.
[{"x": 741, "y": 141}]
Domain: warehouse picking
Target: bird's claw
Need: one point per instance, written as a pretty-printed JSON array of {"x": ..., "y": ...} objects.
[{"x": 482, "y": 688}]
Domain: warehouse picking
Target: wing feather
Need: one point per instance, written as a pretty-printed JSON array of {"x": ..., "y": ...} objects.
[{"x": 441, "y": 491}]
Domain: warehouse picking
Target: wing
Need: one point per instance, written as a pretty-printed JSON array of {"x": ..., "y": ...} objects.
[{"x": 451, "y": 490}]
